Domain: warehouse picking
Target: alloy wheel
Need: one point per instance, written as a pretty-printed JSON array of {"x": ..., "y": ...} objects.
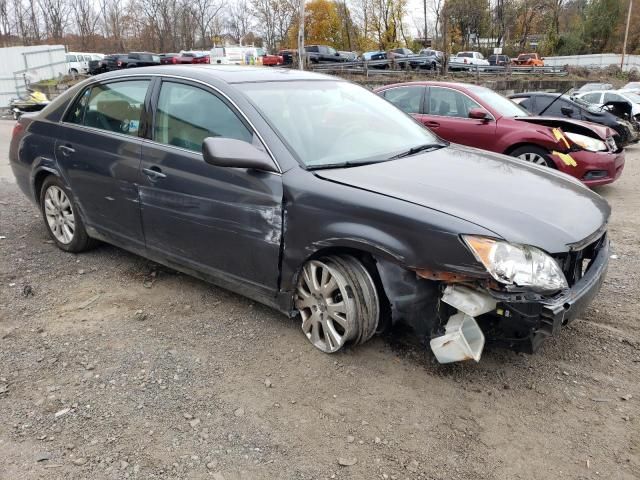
[
  {"x": 327, "y": 311},
  {"x": 59, "y": 214},
  {"x": 533, "y": 158}
]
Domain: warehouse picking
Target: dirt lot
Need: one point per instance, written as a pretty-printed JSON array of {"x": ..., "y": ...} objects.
[{"x": 111, "y": 367}]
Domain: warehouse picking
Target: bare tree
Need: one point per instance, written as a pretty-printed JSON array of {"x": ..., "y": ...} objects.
[
  {"x": 86, "y": 19},
  {"x": 56, "y": 17},
  {"x": 239, "y": 20},
  {"x": 205, "y": 11}
]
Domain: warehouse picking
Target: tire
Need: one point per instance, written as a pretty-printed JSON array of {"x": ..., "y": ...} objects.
[
  {"x": 338, "y": 302},
  {"x": 73, "y": 72},
  {"x": 534, "y": 154},
  {"x": 61, "y": 217}
]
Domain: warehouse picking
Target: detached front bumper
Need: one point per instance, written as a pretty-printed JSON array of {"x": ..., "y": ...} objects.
[{"x": 523, "y": 323}]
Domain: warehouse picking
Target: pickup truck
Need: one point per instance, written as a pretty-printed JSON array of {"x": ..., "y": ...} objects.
[
  {"x": 323, "y": 54},
  {"x": 467, "y": 60},
  {"x": 140, "y": 59},
  {"x": 529, "y": 60},
  {"x": 108, "y": 63}
]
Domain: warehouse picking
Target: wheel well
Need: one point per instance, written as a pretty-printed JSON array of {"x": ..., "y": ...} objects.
[
  {"x": 513, "y": 148},
  {"x": 37, "y": 184},
  {"x": 370, "y": 263}
]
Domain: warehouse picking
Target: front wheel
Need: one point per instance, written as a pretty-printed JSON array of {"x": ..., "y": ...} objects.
[
  {"x": 534, "y": 154},
  {"x": 61, "y": 217},
  {"x": 338, "y": 302}
]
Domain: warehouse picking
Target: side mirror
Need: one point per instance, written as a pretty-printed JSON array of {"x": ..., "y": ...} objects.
[
  {"x": 566, "y": 111},
  {"x": 229, "y": 152},
  {"x": 337, "y": 54},
  {"x": 479, "y": 114}
]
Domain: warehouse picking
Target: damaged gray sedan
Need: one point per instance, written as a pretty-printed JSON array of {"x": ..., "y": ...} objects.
[{"x": 318, "y": 198}]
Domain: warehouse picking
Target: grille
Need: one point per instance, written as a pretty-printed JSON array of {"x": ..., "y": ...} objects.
[
  {"x": 611, "y": 144},
  {"x": 576, "y": 264}
]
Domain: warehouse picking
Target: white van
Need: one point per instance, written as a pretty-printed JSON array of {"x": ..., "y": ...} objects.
[{"x": 77, "y": 63}]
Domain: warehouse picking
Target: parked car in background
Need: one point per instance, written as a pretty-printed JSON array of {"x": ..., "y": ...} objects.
[
  {"x": 529, "y": 60},
  {"x": 479, "y": 117},
  {"x": 287, "y": 55},
  {"x": 140, "y": 59},
  {"x": 632, "y": 86},
  {"x": 466, "y": 60},
  {"x": 499, "y": 60},
  {"x": 602, "y": 97},
  {"x": 112, "y": 62},
  {"x": 272, "y": 60},
  {"x": 358, "y": 221},
  {"x": 193, "y": 57},
  {"x": 555, "y": 105},
  {"x": 400, "y": 57},
  {"x": 349, "y": 56},
  {"x": 323, "y": 54},
  {"x": 592, "y": 86},
  {"x": 169, "y": 58},
  {"x": 374, "y": 55},
  {"x": 428, "y": 59},
  {"x": 76, "y": 63}
]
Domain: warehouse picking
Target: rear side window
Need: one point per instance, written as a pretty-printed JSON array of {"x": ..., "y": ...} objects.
[
  {"x": 114, "y": 107},
  {"x": 612, "y": 97},
  {"x": 186, "y": 115},
  {"x": 407, "y": 99},
  {"x": 71, "y": 58}
]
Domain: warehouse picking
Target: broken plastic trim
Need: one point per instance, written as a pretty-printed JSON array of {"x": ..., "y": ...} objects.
[{"x": 463, "y": 338}]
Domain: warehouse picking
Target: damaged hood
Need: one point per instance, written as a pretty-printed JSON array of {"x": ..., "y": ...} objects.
[
  {"x": 568, "y": 125},
  {"x": 519, "y": 202}
]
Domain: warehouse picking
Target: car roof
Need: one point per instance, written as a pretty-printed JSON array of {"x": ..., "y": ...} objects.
[
  {"x": 429, "y": 83},
  {"x": 225, "y": 73}
]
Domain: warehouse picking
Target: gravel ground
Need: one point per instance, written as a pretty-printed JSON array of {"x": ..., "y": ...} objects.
[{"x": 113, "y": 367}]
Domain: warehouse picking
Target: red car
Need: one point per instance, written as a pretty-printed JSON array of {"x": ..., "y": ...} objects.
[
  {"x": 169, "y": 58},
  {"x": 193, "y": 58},
  {"x": 272, "y": 60},
  {"x": 479, "y": 117}
]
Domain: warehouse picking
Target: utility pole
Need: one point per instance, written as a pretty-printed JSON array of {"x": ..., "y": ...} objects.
[
  {"x": 626, "y": 35},
  {"x": 301, "y": 54},
  {"x": 424, "y": 5}
]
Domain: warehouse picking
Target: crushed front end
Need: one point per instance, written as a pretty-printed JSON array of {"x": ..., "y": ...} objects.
[{"x": 468, "y": 310}]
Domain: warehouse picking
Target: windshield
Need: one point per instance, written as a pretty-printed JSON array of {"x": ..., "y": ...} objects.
[
  {"x": 329, "y": 122},
  {"x": 502, "y": 105},
  {"x": 632, "y": 97}
]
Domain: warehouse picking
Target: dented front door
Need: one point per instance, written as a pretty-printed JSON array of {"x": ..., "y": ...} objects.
[{"x": 225, "y": 222}]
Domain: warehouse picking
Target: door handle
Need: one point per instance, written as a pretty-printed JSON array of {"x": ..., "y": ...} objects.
[
  {"x": 154, "y": 173},
  {"x": 431, "y": 124},
  {"x": 66, "y": 150}
]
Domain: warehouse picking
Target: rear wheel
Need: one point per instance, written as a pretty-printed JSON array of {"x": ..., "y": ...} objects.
[
  {"x": 533, "y": 154},
  {"x": 338, "y": 302},
  {"x": 61, "y": 217}
]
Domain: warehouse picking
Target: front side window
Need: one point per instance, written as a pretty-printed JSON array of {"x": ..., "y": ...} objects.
[
  {"x": 71, "y": 58},
  {"x": 407, "y": 99},
  {"x": 591, "y": 97},
  {"x": 186, "y": 115},
  {"x": 114, "y": 107},
  {"x": 446, "y": 102},
  {"x": 499, "y": 103}
]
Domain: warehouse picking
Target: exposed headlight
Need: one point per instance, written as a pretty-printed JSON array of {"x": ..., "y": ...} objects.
[
  {"x": 518, "y": 265},
  {"x": 588, "y": 143}
]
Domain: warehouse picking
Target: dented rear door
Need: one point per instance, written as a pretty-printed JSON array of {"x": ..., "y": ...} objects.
[{"x": 225, "y": 222}]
